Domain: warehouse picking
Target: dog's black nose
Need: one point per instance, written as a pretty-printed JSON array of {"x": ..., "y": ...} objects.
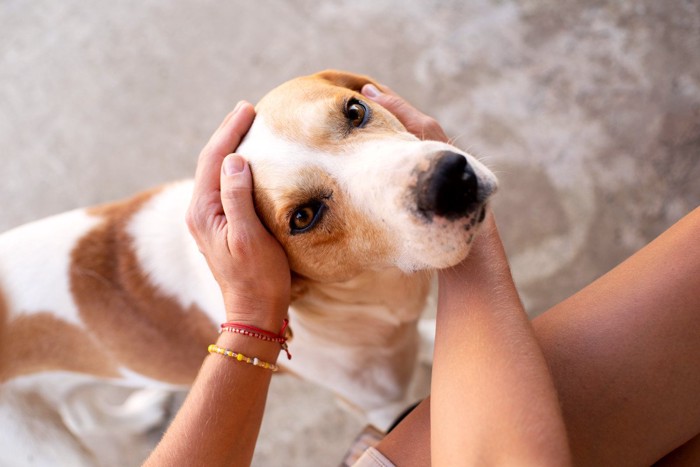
[{"x": 449, "y": 188}]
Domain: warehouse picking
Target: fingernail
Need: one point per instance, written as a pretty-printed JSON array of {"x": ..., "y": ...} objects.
[
  {"x": 238, "y": 106},
  {"x": 233, "y": 164},
  {"x": 370, "y": 90}
]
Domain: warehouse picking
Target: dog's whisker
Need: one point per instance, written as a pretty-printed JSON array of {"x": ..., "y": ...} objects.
[{"x": 453, "y": 140}]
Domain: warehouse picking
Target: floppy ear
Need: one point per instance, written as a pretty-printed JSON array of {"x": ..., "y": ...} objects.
[{"x": 345, "y": 79}]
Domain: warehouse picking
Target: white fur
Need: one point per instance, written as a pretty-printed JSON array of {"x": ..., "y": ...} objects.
[
  {"x": 168, "y": 254},
  {"x": 358, "y": 347},
  {"x": 74, "y": 420},
  {"x": 34, "y": 264}
]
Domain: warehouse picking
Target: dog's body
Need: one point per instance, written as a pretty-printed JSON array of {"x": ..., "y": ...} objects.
[{"x": 119, "y": 295}]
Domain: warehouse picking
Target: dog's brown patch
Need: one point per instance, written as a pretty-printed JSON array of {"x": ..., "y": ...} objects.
[
  {"x": 311, "y": 111},
  {"x": 143, "y": 329},
  {"x": 42, "y": 342},
  {"x": 340, "y": 246}
]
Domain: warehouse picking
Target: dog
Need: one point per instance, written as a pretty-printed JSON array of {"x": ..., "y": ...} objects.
[{"x": 118, "y": 295}]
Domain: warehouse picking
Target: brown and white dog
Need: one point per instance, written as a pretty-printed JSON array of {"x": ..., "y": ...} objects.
[{"x": 119, "y": 295}]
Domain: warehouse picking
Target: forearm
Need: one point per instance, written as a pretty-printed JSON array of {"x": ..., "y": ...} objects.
[
  {"x": 492, "y": 398},
  {"x": 220, "y": 419},
  {"x": 219, "y": 422}
]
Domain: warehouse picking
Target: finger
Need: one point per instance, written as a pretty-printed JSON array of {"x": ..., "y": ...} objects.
[
  {"x": 237, "y": 199},
  {"x": 390, "y": 101},
  {"x": 229, "y": 134},
  {"x": 414, "y": 120},
  {"x": 224, "y": 141},
  {"x": 206, "y": 200}
]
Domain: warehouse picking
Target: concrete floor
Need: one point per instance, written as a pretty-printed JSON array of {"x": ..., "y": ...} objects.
[{"x": 589, "y": 112}]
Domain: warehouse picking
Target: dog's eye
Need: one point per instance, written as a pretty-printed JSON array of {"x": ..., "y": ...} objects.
[
  {"x": 357, "y": 113},
  {"x": 306, "y": 216}
]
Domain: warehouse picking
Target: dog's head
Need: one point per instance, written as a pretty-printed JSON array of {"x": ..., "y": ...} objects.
[{"x": 345, "y": 188}]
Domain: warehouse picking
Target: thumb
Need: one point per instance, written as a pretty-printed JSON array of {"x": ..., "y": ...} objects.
[{"x": 236, "y": 192}]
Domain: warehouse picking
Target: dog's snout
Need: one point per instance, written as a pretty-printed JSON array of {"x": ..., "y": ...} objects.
[{"x": 449, "y": 188}]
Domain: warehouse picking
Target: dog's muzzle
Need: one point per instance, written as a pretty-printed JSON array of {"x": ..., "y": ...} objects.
[{"x": 449, "y": 188}]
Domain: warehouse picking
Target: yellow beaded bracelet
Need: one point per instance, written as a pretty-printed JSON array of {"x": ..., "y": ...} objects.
[{"x": 242, "y": 358}]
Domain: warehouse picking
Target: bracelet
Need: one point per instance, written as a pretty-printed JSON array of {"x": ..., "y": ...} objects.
[
  {"x": 242, "y": 358},
  {"x": 252, "y": 331}
]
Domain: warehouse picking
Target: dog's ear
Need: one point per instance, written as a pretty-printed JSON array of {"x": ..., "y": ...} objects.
[{"x": 345, "y": 79}]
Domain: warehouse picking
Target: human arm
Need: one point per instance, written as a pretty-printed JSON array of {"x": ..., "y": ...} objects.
[
  {"x": 492, "y": 399},
  {"x": 219, "y": 422}
]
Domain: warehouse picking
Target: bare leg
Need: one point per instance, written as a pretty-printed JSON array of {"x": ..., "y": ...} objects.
[
  {"x": 688, "y": 454},
  {"x": 625, "y": 354},
  {"x": 408, "y": 444},
  {"x": 625, "y": 357}
]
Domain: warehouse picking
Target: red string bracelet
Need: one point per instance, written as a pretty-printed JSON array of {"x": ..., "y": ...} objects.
[{"x": 252, "y": 331}]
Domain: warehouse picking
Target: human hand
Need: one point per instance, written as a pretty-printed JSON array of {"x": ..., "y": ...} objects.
[
  {"x": 415, "y": 121},
  {"x": 245, "y": 259}
]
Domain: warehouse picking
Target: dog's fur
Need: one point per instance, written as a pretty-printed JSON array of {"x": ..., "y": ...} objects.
[{"x": 119, "y": 295}]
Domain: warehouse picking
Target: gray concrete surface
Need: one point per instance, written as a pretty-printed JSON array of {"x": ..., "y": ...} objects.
[{"x": 589, "y": 112}]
